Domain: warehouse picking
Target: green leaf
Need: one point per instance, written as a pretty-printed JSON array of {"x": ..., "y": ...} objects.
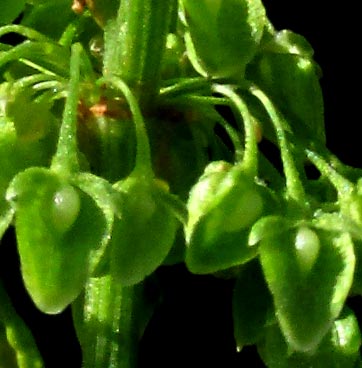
[
  {"x": 37, "y": 17},
  {"x": 252, "y": 303},
  {"x": 288, "y": 42},
  {"x": 54, "y": 257},
  {"x": 228, "y": 40},
  {"x": 10, "y": 10},
  {"x": 307, "y": 300}
]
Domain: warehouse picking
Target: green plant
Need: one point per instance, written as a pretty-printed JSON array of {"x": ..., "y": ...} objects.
[{"x": 129, "y": 140}]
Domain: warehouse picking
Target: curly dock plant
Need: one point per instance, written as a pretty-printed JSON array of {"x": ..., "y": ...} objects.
[{"x": 130, "y": 139}]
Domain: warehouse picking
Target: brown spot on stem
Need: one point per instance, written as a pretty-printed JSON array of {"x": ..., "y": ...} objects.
[{"x": 78, "y": 6}]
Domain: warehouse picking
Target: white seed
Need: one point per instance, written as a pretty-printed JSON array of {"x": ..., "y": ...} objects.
[
  {"x": 307, "y": 246},
  {"x": 65, "y": 208}
]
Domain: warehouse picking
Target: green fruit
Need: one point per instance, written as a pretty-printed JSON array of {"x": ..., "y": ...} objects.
[
  {"x": 222, "y": 206},
  {"x": 309, "y": 274},
  {"x": 291, "y": 80},
  {"x": 144, "y": 234},
  {"x": 57, "y": 227}
]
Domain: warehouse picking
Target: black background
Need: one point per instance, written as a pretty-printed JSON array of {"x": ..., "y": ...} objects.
[{"x": 192, "y": 327}]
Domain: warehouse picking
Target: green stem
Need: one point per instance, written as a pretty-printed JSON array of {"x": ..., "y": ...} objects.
[
  {"x": 143, "y": 166},
  {"x": 185, "y": 85},
  {"x": 199, "y": 100},
  {"x": 135, "y": 43},
  {"x": 115, "y": 143},
  {"x": 342, "y": 185},
  {"x": 52, "y": 85},
  {"x": 28, "y": 51},
  {"x": 24, "y": 31},
  {"x": 295, "y": 190},
  {"x": 214, "y": 116},
  {"x": 73, "y": 28},
  {"x": 350, "y": 172},
  {"x": 250, "y": 157},
  {"x": 34, "y": 80},
  {"x": 18, "y": 335},
  {"x": 66, "y": 156},
  {"x": 106, "y": 324},
  {"x": 234, "y": 136}
]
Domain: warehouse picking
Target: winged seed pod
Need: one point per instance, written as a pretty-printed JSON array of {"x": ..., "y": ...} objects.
[
  {"x": 52, "y": 222},
  {"x": 222, "y": 46},
  {"x": 222, "y": 206},
  {"x": 145, "y": 233}
]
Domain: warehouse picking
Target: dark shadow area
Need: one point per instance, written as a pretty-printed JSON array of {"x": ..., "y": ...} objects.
[
  {"x": 332, "y": 31},
  {"x": 193, "y": 327}
]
